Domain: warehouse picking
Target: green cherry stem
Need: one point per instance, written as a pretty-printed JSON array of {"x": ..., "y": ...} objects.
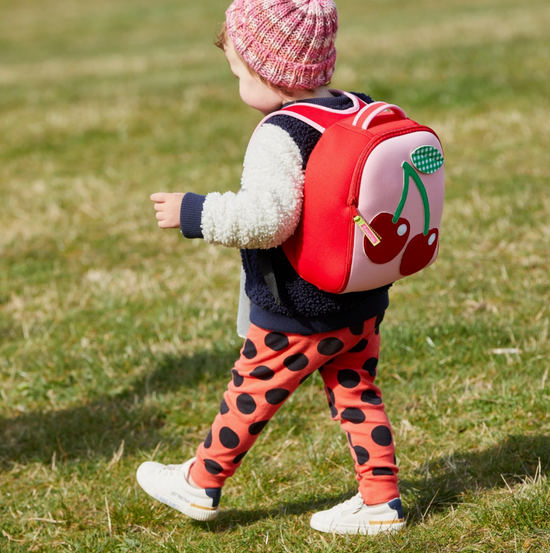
[
  {"x": 408, "y": 172},
  {"x": 404, "y": 195}
]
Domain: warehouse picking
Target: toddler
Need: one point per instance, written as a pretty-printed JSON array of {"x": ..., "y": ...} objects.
[{"x": 283, "y": 51}]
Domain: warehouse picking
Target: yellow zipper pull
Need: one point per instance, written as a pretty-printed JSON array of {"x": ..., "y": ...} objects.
[{"x": 373, "y": 237}]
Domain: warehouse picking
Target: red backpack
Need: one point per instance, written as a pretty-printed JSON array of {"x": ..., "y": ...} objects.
[{"x": 363, "y": 224}]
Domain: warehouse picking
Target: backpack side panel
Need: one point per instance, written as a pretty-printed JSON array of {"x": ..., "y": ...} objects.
[{"x": 322, "y": 245}]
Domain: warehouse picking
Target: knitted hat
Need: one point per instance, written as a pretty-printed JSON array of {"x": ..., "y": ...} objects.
[{"x": 288, "y": 42}]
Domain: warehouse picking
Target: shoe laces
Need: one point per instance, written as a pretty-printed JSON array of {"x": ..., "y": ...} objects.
[
  {"x": 172, "y": 470},
  {"x": 354, "y": 504}
]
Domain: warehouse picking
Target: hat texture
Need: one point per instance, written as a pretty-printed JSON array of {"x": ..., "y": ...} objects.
[{"x": 288, "y": 42}]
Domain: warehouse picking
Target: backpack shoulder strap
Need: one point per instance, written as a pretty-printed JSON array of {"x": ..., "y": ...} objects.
[
  {"x": 316, "y": 116},
  {"x": 320, "y": 118}
]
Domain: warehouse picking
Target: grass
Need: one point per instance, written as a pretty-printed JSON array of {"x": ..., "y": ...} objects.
[{"x": 116, "y": 338}]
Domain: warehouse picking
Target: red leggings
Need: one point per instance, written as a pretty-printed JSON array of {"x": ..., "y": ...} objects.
[{"x": 272, "y": 365}]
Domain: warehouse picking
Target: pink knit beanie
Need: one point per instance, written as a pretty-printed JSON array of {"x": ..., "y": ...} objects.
[{"x": 288, "y": 42}]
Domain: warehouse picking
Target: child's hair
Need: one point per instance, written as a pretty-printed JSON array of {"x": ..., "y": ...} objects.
[
  {"x": 288, "y": 44},
  {"x": 221, "y": 42}
]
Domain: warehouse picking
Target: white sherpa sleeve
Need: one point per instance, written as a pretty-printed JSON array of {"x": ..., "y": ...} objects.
[{"x": 267, "y": 208}]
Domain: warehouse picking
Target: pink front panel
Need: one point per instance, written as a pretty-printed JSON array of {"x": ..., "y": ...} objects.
[{"x": 384, "y": 171}]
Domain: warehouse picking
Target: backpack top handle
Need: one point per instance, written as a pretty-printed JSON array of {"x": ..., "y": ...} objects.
[{"x": 366, "y": 116}]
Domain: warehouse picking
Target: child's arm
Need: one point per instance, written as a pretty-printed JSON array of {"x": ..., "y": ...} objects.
[
  {"x": 168, "y": 207},
  {"x": 267, "y": 208},
  {"x": 262, "y": 214}
]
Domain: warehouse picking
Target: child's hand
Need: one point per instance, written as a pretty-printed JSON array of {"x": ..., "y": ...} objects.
[{"x": 168, "y": 208}]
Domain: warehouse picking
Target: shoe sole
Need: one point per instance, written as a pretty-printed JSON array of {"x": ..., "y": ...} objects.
[
  {"x": 371, "y": 528},
  {"x": 192, "y": 510}
]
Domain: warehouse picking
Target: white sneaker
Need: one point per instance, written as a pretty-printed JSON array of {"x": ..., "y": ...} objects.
[
  {"x": 354, "y": 517},
  {"x": 170, "y": 484}
]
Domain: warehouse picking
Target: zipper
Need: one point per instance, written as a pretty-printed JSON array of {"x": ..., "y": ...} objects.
[{"x": 373, "y": 237}]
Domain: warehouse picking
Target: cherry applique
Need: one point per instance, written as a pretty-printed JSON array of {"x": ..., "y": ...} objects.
[
  {"x": 387, "y": 234},
  {"x": 393, "y": 237},
  {"x": 419, "y": 252},
  {"x": 393, "y": 230}
]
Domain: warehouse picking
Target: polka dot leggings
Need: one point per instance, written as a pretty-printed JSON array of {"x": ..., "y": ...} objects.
[{"x": 272, "y": 365}]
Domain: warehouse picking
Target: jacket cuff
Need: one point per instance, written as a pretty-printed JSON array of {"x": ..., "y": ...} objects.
[{"x": 191, "y": 215}]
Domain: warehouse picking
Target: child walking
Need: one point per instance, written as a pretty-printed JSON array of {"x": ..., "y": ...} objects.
[{"x": 283, "y": 51}]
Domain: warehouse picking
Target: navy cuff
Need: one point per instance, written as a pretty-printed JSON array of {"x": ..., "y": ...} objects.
[{"x": 191, "y": 215}]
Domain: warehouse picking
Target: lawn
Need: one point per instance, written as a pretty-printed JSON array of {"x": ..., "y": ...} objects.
[{"x": 117, "y": 338}]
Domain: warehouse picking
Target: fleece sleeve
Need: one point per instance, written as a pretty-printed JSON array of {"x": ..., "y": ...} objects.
[{"x": 266, "y": 210}]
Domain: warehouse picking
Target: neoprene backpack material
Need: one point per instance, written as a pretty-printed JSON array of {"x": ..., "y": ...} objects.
[{"x": 373, "y": 197}]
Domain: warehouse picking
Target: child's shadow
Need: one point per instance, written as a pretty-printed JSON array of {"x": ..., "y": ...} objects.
[
  {"x": 96, "y": 427},
  {"x": 449, "y": 480},
  {"x": 435, "y": 487}
]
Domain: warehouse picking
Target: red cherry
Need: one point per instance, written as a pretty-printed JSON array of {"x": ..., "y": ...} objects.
[
  {"x": 393, "y": 237},
  {"x": 419, "y": 252}
]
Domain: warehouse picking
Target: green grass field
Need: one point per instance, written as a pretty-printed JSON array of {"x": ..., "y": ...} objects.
[{"x": 116, "y": 338}]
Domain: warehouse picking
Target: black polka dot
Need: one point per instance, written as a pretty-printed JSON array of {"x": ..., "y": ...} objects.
[
  {"x": 382, "y": 471},
  {"x": 229, "y": 438},
  {"x": 333, "y": 411},
  {"x": 349, "y": 438},
  {"x": 224, "y": 408},
  {"x": 276, "y": 341},
  {"x": 249, "y": 350},
  {"x": 208, "y": 442},
  {"x": 370, "y": 366},
  {"x": 276, "y": 396},
  {"x": 348, "y": 378},
  {"x": 237, "y": 378},
  {"x": 321, "y": 369},
  {"x": 330, "y": 346},
  {"x": 329, "y": 361},
  {"x": 246, "y": 404},
  {"x": 357, "y": 329},
  {"x": 369, "y": 396},
  {"x": 304, "y": 378},
  {"x": 263, "y": 373},
  {"x": 331, "y": 395},
  {"x": 212, "y": 467},
  {"x": 362, "y": 455},
  {"x": 239, "y": 457},
  {"x": 353, "y": 415},
  {"x": 381, "y": 435},
  {"x": 360, "y": 346},
  {"x": 296, "y": 362},
  {"x": 256, "y": 427}
]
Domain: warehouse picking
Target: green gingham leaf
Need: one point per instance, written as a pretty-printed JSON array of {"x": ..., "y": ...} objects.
[{"x": 427, "y": 159}]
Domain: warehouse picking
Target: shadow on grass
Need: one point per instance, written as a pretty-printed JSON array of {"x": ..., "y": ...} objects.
[
  {"x": 95, "y": 429},
  {"x": 452, "y": 480},
  {"x": 230, "y": 518},
  {"x": 446, "y": 481}
]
